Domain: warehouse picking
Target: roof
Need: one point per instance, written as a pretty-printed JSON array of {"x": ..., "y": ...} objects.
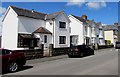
[
  {"x": 53, "y": 15},
  {"x": 79, "y": 18},
  {"x": 110, "y": 27},
  {"x": 28, "y": 13},
  {"x": 42, "y": 30},
  {"x": 34, "y": 14},
  {"x": 26, "y": 35}
]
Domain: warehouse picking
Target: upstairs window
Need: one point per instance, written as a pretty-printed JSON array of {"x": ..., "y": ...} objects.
[{"x": 62, "y": 24}]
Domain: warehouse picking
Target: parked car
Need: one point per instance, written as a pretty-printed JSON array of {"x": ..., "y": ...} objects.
[
  {"x": 11, "y": 60},
  {"x": 117, "y": 45},
  {"x": 80, "y": 51}
]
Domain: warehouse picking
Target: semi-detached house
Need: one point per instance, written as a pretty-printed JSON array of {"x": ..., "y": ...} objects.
[
  {"x": 24, "y": 29},
  {"x": 84, "y": 31}
]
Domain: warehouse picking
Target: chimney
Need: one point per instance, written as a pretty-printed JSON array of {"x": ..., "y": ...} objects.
[
  {"x": 115, "y": 24},
  {"x": 32, "y": 10},
  {"x": 84, "y": 17}
]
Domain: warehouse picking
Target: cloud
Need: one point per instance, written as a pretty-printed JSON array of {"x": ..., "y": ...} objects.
[
  {"x": 76, "y": 2},
  {"x": 54, "y": 0},
  {"x": 91, "y": 5},
  {"x": 95, "y": 5},
  {"x": 2, "y": 10}
]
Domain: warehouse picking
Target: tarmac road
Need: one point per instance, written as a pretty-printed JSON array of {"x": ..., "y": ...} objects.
[{"x": 104, "y": 62}]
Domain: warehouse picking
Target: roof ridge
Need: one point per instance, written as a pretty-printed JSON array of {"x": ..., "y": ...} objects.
[
  {"x": 25, "y": 9},
  {"x": 79, "y": 18},
  {"x": 35, "y": 14},
  {"x": 56, "y": 12}
]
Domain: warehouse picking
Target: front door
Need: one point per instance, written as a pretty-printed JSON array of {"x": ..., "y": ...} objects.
[
  {"x": 87, "y": 41},
  {"x": 46, "y": 45}
]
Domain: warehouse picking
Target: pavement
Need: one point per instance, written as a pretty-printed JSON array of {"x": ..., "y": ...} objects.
[
  {"x": 56, "y": 57},
  {"x": 46, "y": 59}
]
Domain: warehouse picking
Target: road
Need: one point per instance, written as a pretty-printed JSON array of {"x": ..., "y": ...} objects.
[{"x": 104, "y": 62}]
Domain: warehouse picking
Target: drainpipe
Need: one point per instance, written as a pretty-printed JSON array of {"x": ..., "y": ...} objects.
[{"x": 53, "y": 31}]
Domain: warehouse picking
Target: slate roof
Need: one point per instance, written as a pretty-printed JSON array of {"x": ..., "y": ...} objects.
[
  {"x": 34, "y": 14},
  {"x": 28, "y": 13},
  {"x": 42, "y": 30},
  {"x": 110, "y": 27},
  {"x": 53, "y": 15},
  {"x": 79, "y": 18}
]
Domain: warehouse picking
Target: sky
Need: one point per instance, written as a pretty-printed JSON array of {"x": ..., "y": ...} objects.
[{"x": 104, "y": 12}]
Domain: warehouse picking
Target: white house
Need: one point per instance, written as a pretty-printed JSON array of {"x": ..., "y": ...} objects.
[
  {"x": 101, "y": 34},
  {"x": 80, "y": 30},
  {"x": 84, "y": 31},
  {"x": 24, "y": 29}
]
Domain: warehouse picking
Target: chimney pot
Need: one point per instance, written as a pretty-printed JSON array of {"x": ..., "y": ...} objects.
[
  {"x": 32, "y": 10},
  {"x": 115, "y": 24},
  {"x": 84, "y": 17}
]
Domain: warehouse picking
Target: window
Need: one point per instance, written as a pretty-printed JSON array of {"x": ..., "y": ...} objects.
[
  {"x": 20, "y": 42},
  {"x": 27, "y": 42},
  {"x": 6, "y": 52},
  {"x": 62, "y": 39},
  {"x": 62, "y": 24},
  {"x": 45, "y": 39}
]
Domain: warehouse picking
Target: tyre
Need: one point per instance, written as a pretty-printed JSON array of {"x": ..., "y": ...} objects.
[
  {"x": 12, "y": 67},
  {"x": 81, "y": 54},
  {"x": 70, "y": 56}
]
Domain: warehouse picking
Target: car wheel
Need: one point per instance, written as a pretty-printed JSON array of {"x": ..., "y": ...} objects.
[
  {"x": 12, "y": 67},
  {"x": 70, "y": 56},
  {"x": 81, "y": 54}
]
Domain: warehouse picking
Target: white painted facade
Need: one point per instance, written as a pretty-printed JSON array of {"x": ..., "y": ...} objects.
[
  {"x": 10, "y": 30},
  {"x": 101, "y": 35},
  {"x": 54, "y": 28},
  {"x": 14, "y": 24},
  {"x": 98, "y": 34},
  {"x": 28, "y": 25},
  {"x": 90, "y": 33},
  {"x": 41, "y": 41},
  {"x": 77, "y": 29}
]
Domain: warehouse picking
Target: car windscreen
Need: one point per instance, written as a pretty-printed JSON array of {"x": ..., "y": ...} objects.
[{"x": 5, "y": 52}]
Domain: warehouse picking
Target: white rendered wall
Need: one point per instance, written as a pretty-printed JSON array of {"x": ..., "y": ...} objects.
[
  {"x": 28, "y": 25},
  {"x": 77, "y": 29},
  {"x": 89, "y": 31},
  {"x": 61, "y": 32},
  {"x": 46, "y": 45},
  {"x": 50, "y": 28},
  {"x": 10, "y": 30}
]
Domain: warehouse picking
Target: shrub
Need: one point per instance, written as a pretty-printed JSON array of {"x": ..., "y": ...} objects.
[{"x": 107, "y": 42}]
